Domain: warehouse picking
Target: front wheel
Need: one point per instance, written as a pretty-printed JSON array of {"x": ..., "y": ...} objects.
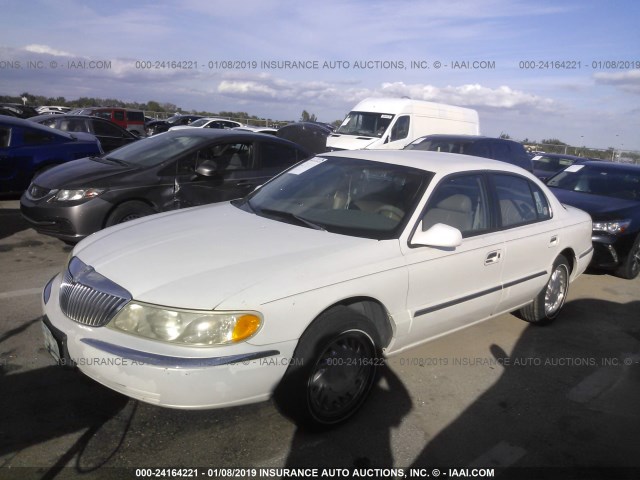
[
  {"x": 630, "y": 267},
  {"x": 547, "y": 304},
  {"x": 128, "y": 211},
  {"x": 333, "y": 369}
]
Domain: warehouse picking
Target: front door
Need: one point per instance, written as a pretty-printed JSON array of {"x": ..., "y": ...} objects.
[{"x": 451, "y": 288}]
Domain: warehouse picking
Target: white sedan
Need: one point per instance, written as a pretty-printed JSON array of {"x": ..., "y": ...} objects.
[
  {"x": 299, "y": 289},
  {"x": 208, "y": 122}
]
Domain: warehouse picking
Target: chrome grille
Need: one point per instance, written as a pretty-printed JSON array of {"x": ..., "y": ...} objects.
[{"x": 89, "y": 298}]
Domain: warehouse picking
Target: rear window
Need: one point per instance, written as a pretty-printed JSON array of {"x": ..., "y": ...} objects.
[{"x": 135, "y": 116}]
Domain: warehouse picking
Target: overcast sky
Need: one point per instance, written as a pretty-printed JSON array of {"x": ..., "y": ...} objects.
[{"x": 543, "y": 69}]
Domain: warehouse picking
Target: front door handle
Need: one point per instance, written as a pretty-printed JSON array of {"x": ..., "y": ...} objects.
[{"x": 245, "y": 183}]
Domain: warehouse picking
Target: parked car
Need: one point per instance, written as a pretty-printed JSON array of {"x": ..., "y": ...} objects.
[
  {"x": 546, "y": 165},
  {"x": 267, "y": 130},
  {"x": 477, "y": 145},
  {"x": 159, "y": 126},
  {"x": 298, "y": 288},
  {"x": 17, "y": 110},
  {"x": 27, "y": 149},
  {"x": 208, "y": 122},
  {"x": 165, "y": 172},
  {"x": 610, "y": 193},
  {"x": 311, "y": 135},
  {"x": 111, "y": 136},
  {"x": 127, "y": 118},
  {"x": 52, "y": 109}
]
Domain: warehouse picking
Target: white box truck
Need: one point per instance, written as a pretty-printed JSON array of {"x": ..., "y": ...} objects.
[{"x": 395, "y": 122}]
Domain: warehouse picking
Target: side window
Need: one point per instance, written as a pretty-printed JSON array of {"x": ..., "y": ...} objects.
[
  {"x": 233, "y": 156},
  {"x": 278, "y": 156},
  {"x": 400, "y": 129},
  {"x": 460, "y": 202},
  {"x": 49, "y": 123},
  {"x": 106, "y": 130},
  {"x": 118, "y": 115},
  {"x": 73, "y": 125},
  {"x": 518, "y": 203}
]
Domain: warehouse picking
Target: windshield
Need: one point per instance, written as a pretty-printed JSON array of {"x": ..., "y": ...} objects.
[
  {"x": 155, "y": 150},
  {"x": 365, "y": 123},
  {"x": 343, "y": 195},
  {"x": 199, "y": 123},
  {"x": 599, "y": 180}
]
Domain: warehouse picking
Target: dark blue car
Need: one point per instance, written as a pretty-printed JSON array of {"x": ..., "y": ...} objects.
[
  {"x": 610, "y": 193},
  {"x": 27, "y": 148}
]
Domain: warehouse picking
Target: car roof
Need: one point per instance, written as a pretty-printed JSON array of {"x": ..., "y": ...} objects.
[
  {"x": 227, "y": 133},
  {"x": 559, "y": 155},
  {"x": 611, "y": 165},
  {"x": 439, "y": 162},
  {"x": 21, "y": 122},
  {"x": 457, "y": 136}
]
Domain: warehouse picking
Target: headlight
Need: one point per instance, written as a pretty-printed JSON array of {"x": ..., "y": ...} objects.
[
  {"x": 80, "y": 194},
  {"x": 188, "y": 327},
  {"x": 614, "y": 226}
]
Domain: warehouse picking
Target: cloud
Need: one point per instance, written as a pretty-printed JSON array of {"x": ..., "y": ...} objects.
[
  {"x": 45, "y": 49},
  {"x": 264, "y": 87},
  {"x": 628, "y": 81}
]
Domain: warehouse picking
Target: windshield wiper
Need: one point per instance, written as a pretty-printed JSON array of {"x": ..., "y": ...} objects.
[
  {"x": 289, "y": 215},
  {"x": 115, "y": 160}
]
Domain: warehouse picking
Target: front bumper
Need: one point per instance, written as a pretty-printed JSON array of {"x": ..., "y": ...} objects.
[
  {"x": 609, "y": 251},
  {"x": 71, "y": 222},
  {"x": 165, "y": 374}
]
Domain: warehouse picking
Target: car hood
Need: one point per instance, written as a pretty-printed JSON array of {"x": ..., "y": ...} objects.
[
  {"x": 598, "y": 206},
  {"x": 202, "y": 256},
  {"x": 82, "y": 173}
]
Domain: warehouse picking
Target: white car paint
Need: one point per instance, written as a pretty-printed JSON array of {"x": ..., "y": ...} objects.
[{"x": 221, "y": 258}]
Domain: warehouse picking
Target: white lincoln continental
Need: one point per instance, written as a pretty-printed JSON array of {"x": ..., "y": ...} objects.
[{"x": 298, "y": 290}]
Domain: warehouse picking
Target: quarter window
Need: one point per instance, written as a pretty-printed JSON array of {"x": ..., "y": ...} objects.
[{"x": 34, "y": 137}]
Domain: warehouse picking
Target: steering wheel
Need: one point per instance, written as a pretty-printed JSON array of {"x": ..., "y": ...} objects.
[{"x": 391, "y": 212}]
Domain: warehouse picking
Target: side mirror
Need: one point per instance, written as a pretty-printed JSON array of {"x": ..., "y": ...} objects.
[
  {"x": 208, "y": 168},
  {"x": 439, "y": 235}
]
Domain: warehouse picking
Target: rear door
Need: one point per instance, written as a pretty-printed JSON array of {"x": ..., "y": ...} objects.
[{"x": 531, "y": 238}]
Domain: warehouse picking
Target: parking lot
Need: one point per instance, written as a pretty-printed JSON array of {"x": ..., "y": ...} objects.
[{"x": 528, "y": 402}]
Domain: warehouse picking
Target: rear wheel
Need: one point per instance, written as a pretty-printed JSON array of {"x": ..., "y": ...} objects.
[
  {"x": 128, "y": 211},
  {"x": 548, "y": 303},
  {"x": 630, "y": 267},
  {"x": 333, "y": 369}
]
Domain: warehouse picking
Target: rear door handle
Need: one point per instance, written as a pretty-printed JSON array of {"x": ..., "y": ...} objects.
[
  {"x": 553, "y": 241},
  {"x": 493, "y": 257}
]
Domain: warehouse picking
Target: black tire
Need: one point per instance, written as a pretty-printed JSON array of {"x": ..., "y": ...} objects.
[
  {"x": 630, "y": 266},
  {"x": 548, "y": 303},
  {"x": 128, "y": 211},
  {"x": 333, "y": 369}
]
